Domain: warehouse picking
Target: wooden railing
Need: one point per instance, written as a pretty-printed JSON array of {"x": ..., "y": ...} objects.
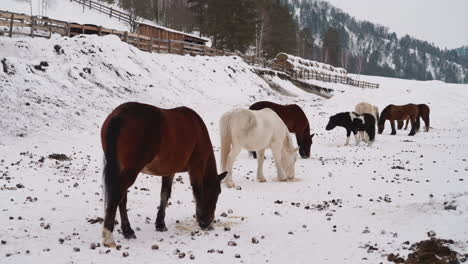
[
  {"x": 309, "y": 74},
  {"x": 111, "y": 12},
  {"x": 45, "y": 27}
]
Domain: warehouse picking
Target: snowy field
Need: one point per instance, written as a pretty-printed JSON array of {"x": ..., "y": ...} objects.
[{"x": 349, "y": 204}]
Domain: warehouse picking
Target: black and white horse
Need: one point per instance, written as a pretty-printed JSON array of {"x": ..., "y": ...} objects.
[{"x": 354, "y": 122}]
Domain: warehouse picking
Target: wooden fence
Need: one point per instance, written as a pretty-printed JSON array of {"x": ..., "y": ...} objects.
[
  {"x": 20, "y": 24},
  {"x": 15, "y": 24},
  {"x": 309, "y": 74},
  {"x": 111, "y": 12}
]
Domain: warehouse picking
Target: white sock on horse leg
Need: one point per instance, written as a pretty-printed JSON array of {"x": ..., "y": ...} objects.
[{"x": 107, "y": 238}]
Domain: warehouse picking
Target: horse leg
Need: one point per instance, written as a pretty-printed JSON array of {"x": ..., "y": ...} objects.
[
  {"x": 356, "y": 137},
  {"x": 166, "y": 188},
  {"x": 400, "y": 124},
  {"x": 127, "y": 231},
  {"x": 116, "y": 196},
  {"x": 253, "y": 153},
  {"x": 229, "y": 164},
  {"x": 279, "y": 166},
  {"x": 413, "y": 126},
  {"x": 392, "y": 123},
  {"x": 260, "y": 159},
  {"x": 348, "y": 134},
  {"x": 407, "y": 122},
  {"x": 426, "y": 122}
]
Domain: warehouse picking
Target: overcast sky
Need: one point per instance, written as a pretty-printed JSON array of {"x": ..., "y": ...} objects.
[{"x": 443, "y": 22}]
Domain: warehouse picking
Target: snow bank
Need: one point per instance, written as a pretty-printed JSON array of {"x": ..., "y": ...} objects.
[{"x": 87, "y": 76}]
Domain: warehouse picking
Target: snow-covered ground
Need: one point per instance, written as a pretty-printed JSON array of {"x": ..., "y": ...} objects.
[{"x": 344, "y": 200}]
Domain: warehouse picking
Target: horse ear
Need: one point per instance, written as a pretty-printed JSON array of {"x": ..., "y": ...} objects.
[
  {"x": 312, "y": 136},
  {"x": 222, "y": 175}
]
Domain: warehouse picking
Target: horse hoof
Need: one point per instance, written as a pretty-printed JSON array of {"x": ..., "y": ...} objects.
[
  {"x": 283, "y": 180},
  {"x": 161, "y": 228},
  {"x": 130, "y": 235},
  {"x": 261, "y": 179},
  {"x": 110, "y": 245},
  {"x": 230, "y": 185}
]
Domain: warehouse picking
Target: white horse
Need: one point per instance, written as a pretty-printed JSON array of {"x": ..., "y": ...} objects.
[
  {"x": 256, "y": 131},
  {"x": 362, "y": 108}
]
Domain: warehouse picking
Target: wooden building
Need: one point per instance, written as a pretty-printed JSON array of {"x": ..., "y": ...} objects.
[{"x": 168, "y": 34}]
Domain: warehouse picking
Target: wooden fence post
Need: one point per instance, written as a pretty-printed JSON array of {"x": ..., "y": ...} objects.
[
  {"x": 67, "y": 29},
  {"x": 169, "y": 45},
  {"x": 110, "y": 15},
  {"x": 126, "y": 36},
  {"x": 151, "y": 45},
  {"x": 33, "y": 21},
  {"x": 11, "y": 25}
]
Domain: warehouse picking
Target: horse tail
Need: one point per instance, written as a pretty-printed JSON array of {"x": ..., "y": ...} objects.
[
  {"x": 226, "y": 140},
  {"x": 111, "y": 165}
]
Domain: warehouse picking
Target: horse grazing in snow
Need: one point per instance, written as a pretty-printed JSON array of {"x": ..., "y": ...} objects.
[
  {"x": 424, "y": 112},
  {"x": 142, "y": 138},
  {"x": 296, "y": 121},
  {"x": 354, "y": 122},
  {"x": 362, "y": 108},
  {"x": 400, "y": 112},
  {"x": 256, "y": 131}
]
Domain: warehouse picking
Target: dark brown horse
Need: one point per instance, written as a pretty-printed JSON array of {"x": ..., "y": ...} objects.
[
  {"x": 142, "y": 138},
  {"x": 296, "y": 121},
  {"x": 424, "y": 112},
  {"x": 399, "y": 112}
]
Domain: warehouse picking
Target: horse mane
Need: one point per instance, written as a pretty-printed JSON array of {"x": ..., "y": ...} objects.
[{"x": 289, "y": 143}]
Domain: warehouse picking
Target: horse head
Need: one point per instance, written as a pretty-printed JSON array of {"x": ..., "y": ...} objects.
[
  {"x": 381, "y": 125},
  {"x": 305, "y": 145},
  {"x": 289, "y": 158},
  {"x": 207, "y": 198},
  {"x": 331, "y": 123}
]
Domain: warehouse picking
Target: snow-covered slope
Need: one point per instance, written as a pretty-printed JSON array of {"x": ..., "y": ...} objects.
[{"x": 343, "y": 200}]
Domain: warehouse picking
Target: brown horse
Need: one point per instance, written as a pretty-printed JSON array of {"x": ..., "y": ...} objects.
[
  {"x": 400, "y": 112},
  {"x": 424, "y": 112},
  {"x": 296, "y": 121},
  {"x": 142, "y": 138}
]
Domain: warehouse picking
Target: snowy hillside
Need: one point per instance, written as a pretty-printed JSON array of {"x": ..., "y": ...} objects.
[
  {"x": 382, "y": 51},
  {"x": 352, "y": 204}
]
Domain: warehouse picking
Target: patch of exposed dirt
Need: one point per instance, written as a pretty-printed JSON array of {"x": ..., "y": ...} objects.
[{"x": 431, "y": 251}]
